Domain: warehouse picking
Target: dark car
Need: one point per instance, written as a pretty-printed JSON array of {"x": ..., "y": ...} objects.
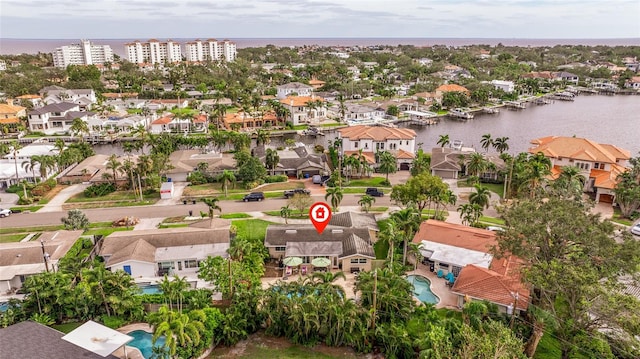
[
  {"x": 292, "y": 192},
  {"x": 374, "y": 192},
  {"x": 253, "y": 196}
]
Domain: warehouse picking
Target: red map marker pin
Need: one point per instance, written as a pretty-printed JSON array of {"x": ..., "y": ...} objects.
[{"x": 320, "y": 215}]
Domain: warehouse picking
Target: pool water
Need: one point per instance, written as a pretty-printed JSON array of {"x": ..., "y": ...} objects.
[
  {"x": 142, "y": 340},
  {"x": 4, "y": 306},
  {"x": 150, "y": 289},
  {"x": 422, "y": 289}
]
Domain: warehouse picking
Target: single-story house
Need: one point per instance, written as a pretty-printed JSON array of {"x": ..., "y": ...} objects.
[
  {"x": 186, "y": 161},
  {"x": 22, "y": 259},
  {"x": 83, "y": 171},
  {"x": 156, "y": 252},
  {"x": 297, "y": 162},
  {"x": 347, "y": 242}
]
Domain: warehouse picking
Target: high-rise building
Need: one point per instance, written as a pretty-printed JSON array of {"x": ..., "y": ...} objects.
[
  {"x": 154, "y": 52},
  {"x": 210, "y": 50},
  {"x": 84, "y": 53}
]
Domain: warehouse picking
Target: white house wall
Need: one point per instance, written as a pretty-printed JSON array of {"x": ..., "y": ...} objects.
[{"x": 138, "y": 269}]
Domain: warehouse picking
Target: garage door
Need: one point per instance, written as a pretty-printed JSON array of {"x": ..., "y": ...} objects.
[
  {"x": 606, "y": 198},
  {"x": 404, "y": 166}
]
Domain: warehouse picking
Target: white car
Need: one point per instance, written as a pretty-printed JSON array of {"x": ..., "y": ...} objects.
[
  {"x": 495, "y": 229},
  {"x": 4, "y": 213},
  {"x": 635, "y": 229}
]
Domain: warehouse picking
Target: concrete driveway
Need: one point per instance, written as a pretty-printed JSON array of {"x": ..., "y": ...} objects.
[{"x": 55, "y": 205}]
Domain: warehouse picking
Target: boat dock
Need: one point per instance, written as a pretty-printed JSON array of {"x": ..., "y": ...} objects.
[
  {"x": 563, "y": 96},
  {"x": 515, "y": 105},
  {"x": 461, "y": 114}
]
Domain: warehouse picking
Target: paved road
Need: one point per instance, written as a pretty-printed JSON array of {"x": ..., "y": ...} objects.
[{"x": 111, "y": 214}]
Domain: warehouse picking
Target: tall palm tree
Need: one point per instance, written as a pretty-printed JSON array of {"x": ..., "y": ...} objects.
[
  {"x": 30, "y": 166},
  {"x": 262, "y": 137},
  {"x": 536, "y": 169},
  {"x": 388, "y": 164},
  {"x": 486, "y": 142},
  {"x": 407, "y": 222},
  {"x": 443, "y": 140},
  {"x": 114, "y": 165},
  {"x": 481, "y": 196},
  {"x": 335, "y": 195},
  {"x": 212, "y": 203},
  {"x": 476, "y": 164},
  {"x": 15, "y": 148},
  {"x": 366, "y": 201},
  {"x": 79, "y": 127},
  {"x": 570, "y": 182},
  {"x": 226, "y": 178},
  {"x": 285, "y": 212},
  {"x": 178, "y": 328},
  {"x": 501, "y": 145},
  {"x": 271, "y": 160}
]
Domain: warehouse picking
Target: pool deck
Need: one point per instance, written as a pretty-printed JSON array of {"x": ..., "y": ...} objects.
[
  {"x": 132, "y": 353},
  {"x": 439, "y": 287}
]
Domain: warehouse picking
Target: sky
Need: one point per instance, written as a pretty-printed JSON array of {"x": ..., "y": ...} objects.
[{"x": 127, "y": 19}]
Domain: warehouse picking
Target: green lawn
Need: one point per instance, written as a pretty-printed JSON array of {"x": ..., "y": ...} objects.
[
  {"x": 234, "y": 215},
  {"x": 378, "y": 209},
  {"x": 497, "y": 188},
  {"x": 117, "y": 196},
  {"x": 215, "y": 189},
  {"x": 362, "y": 190},
  {"x": 492, "y": 220},
  {"x": 548, "y": 348},
  {"x": 295, "y": 214},
  {"x": 617, "y": 217},
  {"x": 251, "y": 229},
  {"x": 67, "y": 327},
  {"x": 14, "y": 230},
  {"x": 25, "y": 208},
  {"x": 367, "y": 182},
  {"x": 9, "y": 238},
  {"x": 174, "y": 225},
  {"x": 105, "y": 231}
]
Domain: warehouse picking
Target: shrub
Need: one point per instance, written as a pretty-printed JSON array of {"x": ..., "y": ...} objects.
[
  {"x": 276, "y": 178},
  {"x": 112, "y": 321},
  {"x": 25, "y": 201},
  {"x": 198, "y": 177},
  {"x": 99, "y": 190},
  {"x": 319, "y": 148}
]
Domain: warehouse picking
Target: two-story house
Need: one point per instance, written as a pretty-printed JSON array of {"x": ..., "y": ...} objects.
[
  {"x": 356, "y": 113},
  {"x": 56, "y": 117},
  {"x": 294, "y": 89},
  {"x": 372, "y": 139},
  {"x": 599, "y": 163},
  {"x": 567, "y": 77},
  {"x": 10, "y": 117},
  {"x": 84, "y": 98},
  {"x": 171, "y": 123},
  {"x": 305, "y": 109}
]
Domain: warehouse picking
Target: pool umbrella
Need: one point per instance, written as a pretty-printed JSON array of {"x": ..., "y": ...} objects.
[
  {"x": 321, "y": 262},
  {"x": 292, "y": 261}
]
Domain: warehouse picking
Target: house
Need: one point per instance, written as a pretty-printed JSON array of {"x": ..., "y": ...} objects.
[
  {"x": 31, "y": 340},
  {"x": 633, "y": 83},
  {"x": 84, "y": 98},
  {"x": 296, "y": 163},
  {"x": 373, "y": 139},
  {"x": 167, "y": 104},
  {"x": 305, "y": 109},
  {"x": 18, "y": 260},
  {"x": 83, "y": 171},
  {"x": 506, "y": 86},
  {"x": 9, "y": 110},
  {"x": 9, "y": 166},
  {"x": 56, "y": 118},
  {"x": 599, "y": 163},
  {"x": 451, "y": 88},
  {"x": 171, "y": 123},
  {"x": 424, "y": 61},
  {"x": 156, "y": 252},
  {"x": 35, "y": 100},
  {"x": 567, "y": 77},
  {"x": 466, "y": 253},
  {"x": 347, "y": 242},
  {"x": 116, "y": 124},
  {"x": 186, "y": 161},
  {"x": 294, "y": 89},
  {"x": 243, "y": 120},
  {"x": 448, "y": 163},
  {"x": 316, "y": 84},
  {"x": 360, "y": 113}
]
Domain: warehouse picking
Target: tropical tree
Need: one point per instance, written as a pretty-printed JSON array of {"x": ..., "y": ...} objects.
[
  {"x": 569, "y": 183},
  {"x": 79, "y": 127},
  {"x": 179, "y": 329},
  {"x": 627, "y": 189},
  {"x": 114, "y": 165},
  {"x": 470, "y": 213},
  {"x": 212, "y": 204},
  {"x": 387, "y": 164},
  {"x": 501, "y": 144},
  {"x": 300, "y": 201},
  {"x": 407, "y": 222},
  {"x": 15, "y": 148},
  {"x": 420, "y": 191},
  {"x": 30, "y": 165},
  {"x": 75, "y": 219},
  {"x": 443, "y": 140},
  {"x": 366, "y": 201},
  {"x": 481, "y": 196},
  {"x": 262, "y": 137},
  {"x": 285, "y": 212},
  {"x": 226, "y": 178},
  {"x": 421, "y": 163},
  {"x": 334, "y": 194},
  {"x": 486, "y": 142},
  {"x": 476, "y": 164},
  {"x": 271, "y": 160},
  {"x": 534, "y": 172}
]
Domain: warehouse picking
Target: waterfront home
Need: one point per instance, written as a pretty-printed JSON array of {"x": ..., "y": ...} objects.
[
  {"x": 447, "y": 162},
  {"x": 506, "y": 86},
  {"x": 10, "y": 117},
  {"x": 600, "y": 164},
  {"x": 297, "y": 162},
  {"x": 372, "y": 139},
  {"x": 633, "y": 83},
  {"x": 451, "y": 88},
  {"x": 294, "y": 89},
  {"x": 35, "y": 100},
  {"x": 56, "y": 118},
  {"x": 362, "y": 113},
  {"x": 84, "y": 98},
  {"x": 171, "y": 123},
  {"x": 567, "y": 77},
  {"x": 305, "y": 109},
  {"x": 247, "y": 121},
  {"x": 167, "y": 104},
  {"x": 18, "y": 260},
  {"x": 9, "y": 166},
  {"x": 183, "y": 162},
  {"x": 347, "y": 242},
  {"x": 156, "y": 252},
  {"x": 83, "y": 171},
  {"x": 117, "y": 124}
]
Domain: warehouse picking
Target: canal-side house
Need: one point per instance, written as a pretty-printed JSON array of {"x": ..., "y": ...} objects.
[
  {"x": 56, "y": 118},
  {"x": 294, "y": 89},
  {"x": 465, "y": 252},
  {"x": 84, "y": 98},
  {"x": 305, "y": 109},
  {"x": 296, "y": 162},
  {"x": 356, "y": 113},
  {"x": 347, "y": 242},
  {"x": 449, "y": 163},
  {"x": 171, "y": 123},
  {"x": 10, "y": 117},
  {"x": 83, "y": 171},
  {"x": 247, "y": 121},
  {"x": 9, "y": 164},
  {"x": 372, "y": 139},
  {"x": 156, "y": 252},
  {"x": 599, "y": 163},
  {"x": 18, "y": 260},
  {"x": 183, "y": 162}
]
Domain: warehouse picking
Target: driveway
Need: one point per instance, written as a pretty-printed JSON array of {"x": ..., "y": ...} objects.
[{"x": 55, "y": 205}]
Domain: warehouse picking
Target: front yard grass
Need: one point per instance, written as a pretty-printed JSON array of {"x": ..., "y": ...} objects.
[
  {"x": 215, "y": 189},
  {"x": 19, "y": 209},
  {"x": 105, "y": 231},
  {"x": 617, "y": 218},
  {"x": 492, "y": 220},
  {"x": 367, "y": 182},
  {"x": 251, "y": 229},
  {"x": 234, "y": 215},
  {"x": 496, "y": 188},
  {"x": 118, "y": 196},
  {"x": 111, "y": 204},
  {"x": 10, "y": 238}
]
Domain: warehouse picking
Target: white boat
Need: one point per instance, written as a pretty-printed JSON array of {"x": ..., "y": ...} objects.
[
  {"x": 460, "y": 113},
  {"x": 491, "y": 110},
  {"x": 457, "y": 144}
]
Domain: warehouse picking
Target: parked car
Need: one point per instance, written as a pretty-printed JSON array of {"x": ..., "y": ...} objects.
[
  {"x": 495, "y": 228},
  {"x": 374, "y": 192},
  {"x": 635, "y": 229},
  {"x": 5, "y": 213},
  {"x": 290, "y": 193},
  {"x": 253, "y": 196},
  {"x": 316, "y": 179}
]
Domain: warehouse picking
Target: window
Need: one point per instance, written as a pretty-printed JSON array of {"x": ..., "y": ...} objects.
[
  {"x": 354, "y": 261},
  {"x": 281, "y": 249},
  {"x": 355, "y": 144},
  {"x": 191, "y": 263},
  {"x": 444, "y": 266},
  {"x": 362, "y": 260}
]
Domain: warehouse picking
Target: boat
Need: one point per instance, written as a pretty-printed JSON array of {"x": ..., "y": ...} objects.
[
  {"x": 542, "y": 101},
  {"x": 515, "y": 104},
  {"x": 491, "y": 110},
  {"x": 457, "y": 144},
  {"x": 460, "y": 113},
  {"x": 564, "y": 96}
]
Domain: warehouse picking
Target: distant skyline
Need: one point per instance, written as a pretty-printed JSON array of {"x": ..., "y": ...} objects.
[{"x": 114, "y": 19}]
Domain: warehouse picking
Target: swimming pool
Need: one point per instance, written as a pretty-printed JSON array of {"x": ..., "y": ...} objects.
[
  {"x": 422, "y": 289},
  {"x": 4, "y": 306},
  {"x": 150, "y": 289},
  {"x": 142, "y": 340}
]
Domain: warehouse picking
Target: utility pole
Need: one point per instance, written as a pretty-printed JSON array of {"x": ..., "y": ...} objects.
[
  {"x": 515, "y": 306},
  {"x": 375, "y": 289},
  {"x": 45, "y": 256}
]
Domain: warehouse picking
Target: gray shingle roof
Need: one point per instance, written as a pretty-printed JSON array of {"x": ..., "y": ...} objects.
[
  {"x": 354, "y": 219},
  {"x": 355, "y": 245},
  {"x": 307, "y": 242},
  {"x": 54, "y": 107}
]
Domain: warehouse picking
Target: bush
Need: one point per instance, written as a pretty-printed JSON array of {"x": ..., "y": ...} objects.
[
  {"x": 25, "y": 201},
  {"x": 99, "y": 190},
  {"x": 198, "y": 177},
  {"x": 43, "y": 188},
  {"x": 112, "y": 321},
  {"x": 318, "y": 148},
  {"x": 276, "y": 178}
]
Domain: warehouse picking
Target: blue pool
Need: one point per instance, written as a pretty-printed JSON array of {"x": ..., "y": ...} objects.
[
  {"x": 422, "y": 289},
  {"x": 4, "y": 306},
  {"x": 142, "y": 341},
  {"x": 150, "y": 289}
]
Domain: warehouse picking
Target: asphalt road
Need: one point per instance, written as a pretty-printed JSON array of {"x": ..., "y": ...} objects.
[{"x": 111, "y": 214}]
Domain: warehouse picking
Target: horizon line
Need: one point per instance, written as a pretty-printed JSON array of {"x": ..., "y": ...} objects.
[{"x": 342, "y": 37}]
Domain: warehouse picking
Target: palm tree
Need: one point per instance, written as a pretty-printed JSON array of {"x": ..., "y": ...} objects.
[
  {"x": 366, "y": 201},
  {"x": 476, "y": 164},
  {"x": 486, "y": 142},
  {"x": 285, "y": 212},
  {"x": 443, "y": 140},
  {"x": 15, "y": 147},
  {"x": 262, "y": 137},
  {"x": 388, "y": 164},
  {"x": 481, "y": 196},
  {"x": 114, "y": 165},
  {"x": 212, "y": 203},
  {"x": 570, "y": 182},
  {"x": 30, "y": 166},
  {"x": 271, "y": 160},
  {"x": 79, "y": 126},
  {"x": 536, "y": 169},
  {"x": 335, "y": 194},
  {"x": 407, "y": 222},
  {"x": 178, "y": 328},
  {"x": 500, "y": 144},
  {"x": 226, "y": 178}
]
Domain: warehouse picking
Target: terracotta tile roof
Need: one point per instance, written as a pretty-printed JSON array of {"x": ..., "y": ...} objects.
[
  {"x": 402, "y": 154},
  {"x": 200, "y": 118},
  {"x": 13, "y": 109},
  {"x": 607, "y": 179},
  {"x": 457, "y": 235},
  {"x": 377, "y": 133},
  {"x": 299, "y": 100},
  {"x": 579, "y": 149},
  {"x": 452, "y": 88},
  {"x": 8, "y": 121},
  {"x": 370, "y": 157},
  {"x": 163, "y": 120},
  {"x": 28, "y": 97},
  {"x": 486, "y": 284},
  {"x": 316, "y": 82}
]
